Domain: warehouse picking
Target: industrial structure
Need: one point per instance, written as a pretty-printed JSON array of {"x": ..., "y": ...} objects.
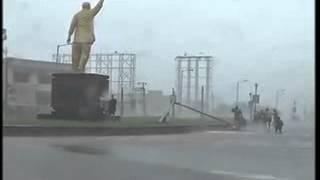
[
  {"x": 120, "y": 67},
  {"x": 194, "y": 72}
]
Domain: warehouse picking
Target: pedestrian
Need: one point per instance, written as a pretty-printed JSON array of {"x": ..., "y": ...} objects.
[
  {"x": 268, "y": 118},
  {"x": 237, "y": 116},
  {"x": 112, "y": 107},
  {"x": 277, "y": 122}
]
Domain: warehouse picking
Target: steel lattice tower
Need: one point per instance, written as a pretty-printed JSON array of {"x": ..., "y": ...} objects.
[
  {"x": 120, "y": 67},
  {"x": 192, "y": 73}
]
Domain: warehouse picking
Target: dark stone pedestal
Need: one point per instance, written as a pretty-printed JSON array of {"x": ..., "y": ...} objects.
[{"x": 77, "y": 95}]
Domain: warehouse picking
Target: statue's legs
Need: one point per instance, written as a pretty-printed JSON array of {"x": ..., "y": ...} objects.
[
  {"x": 76, "y": 54},
  {"x": 84, "y": 57}
]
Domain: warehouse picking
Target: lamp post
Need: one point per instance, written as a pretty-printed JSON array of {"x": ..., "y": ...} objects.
[
  {"x": 237, "y": 95},
  {"x": 255, "y": 99},
  {"x": 251, "y": 106}
]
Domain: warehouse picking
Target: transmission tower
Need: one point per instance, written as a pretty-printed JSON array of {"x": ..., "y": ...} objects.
[{"x": 194, "y": 71}]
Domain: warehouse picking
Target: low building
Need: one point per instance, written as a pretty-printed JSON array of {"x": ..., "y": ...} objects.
[{"x": 27, "y": 86}]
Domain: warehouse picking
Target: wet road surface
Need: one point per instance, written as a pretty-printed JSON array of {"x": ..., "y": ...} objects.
[{"x": 250, "y": 154}]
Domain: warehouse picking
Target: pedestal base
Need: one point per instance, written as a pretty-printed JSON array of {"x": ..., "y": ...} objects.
[{"x": 77, "y": 95}]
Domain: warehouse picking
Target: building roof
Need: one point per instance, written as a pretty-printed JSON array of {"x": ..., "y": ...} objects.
[{"x": 35, "y": 64}]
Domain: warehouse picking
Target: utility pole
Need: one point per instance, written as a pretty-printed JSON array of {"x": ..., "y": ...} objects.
[
  {"x": 196, "y": 85},
  {"x": 202, "y": 100},
  {"x": 173, "y": 101},
  {"x": 181, "y": 84},
  {"x": 255, "y": 99},
  {"x": 208, "y": 84},
  {"x": 189, "y": 82},
  {"x": 121, "y": 102},
  {"x": 251, "y": 105},
  {"x": 143, "y": 96},
  {"x": 5, "y": 78}
]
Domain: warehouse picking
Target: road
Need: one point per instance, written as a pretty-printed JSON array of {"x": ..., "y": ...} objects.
[{"x": 249, "y": 154}]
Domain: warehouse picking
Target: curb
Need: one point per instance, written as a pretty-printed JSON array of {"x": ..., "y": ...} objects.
[{"x": 32, "y": 131}]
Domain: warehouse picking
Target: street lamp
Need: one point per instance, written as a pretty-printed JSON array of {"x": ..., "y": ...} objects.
[
  {"x": 251, "y": 106},
  {"x": 237, "y": 95},
  {"x": 278, "y": 93}
]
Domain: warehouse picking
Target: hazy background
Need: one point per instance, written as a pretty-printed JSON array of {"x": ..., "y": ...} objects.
[{"x": 267, "y": 41}]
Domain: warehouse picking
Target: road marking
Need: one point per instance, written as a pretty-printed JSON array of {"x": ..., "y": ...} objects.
[
  {"x": 230, "y": 132},
  {"x": 247, "y": 175}
]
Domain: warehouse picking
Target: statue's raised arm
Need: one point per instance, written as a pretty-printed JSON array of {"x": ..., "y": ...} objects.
[{"x": 98, "y": 7}]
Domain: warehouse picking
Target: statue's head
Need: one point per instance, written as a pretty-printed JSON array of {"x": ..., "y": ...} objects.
[{"x": 86, "y": 5}]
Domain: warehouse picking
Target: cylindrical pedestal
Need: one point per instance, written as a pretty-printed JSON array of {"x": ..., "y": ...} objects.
[{"x": 77, "y": 95}]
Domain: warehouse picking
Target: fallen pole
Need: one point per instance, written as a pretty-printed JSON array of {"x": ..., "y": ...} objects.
[{"x": 205, "y": 114}]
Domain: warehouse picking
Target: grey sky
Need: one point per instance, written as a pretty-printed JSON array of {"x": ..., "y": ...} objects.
[{"x": 266, "y": 41}]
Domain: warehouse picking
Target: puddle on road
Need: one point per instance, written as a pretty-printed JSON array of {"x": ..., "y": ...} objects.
[{"x": 82, "y": 149}]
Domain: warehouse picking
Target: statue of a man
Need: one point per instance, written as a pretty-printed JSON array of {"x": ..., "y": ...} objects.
[{"x": 82, "y": 26}]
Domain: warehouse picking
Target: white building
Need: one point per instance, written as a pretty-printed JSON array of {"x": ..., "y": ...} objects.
[{"x": 27, "y": 86}]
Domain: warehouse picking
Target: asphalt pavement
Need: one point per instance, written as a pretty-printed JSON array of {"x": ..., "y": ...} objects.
[{"x": 253, "y": 153}]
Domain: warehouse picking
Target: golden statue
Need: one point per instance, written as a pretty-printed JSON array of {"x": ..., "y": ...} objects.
[{"x": 82, "y": 26}]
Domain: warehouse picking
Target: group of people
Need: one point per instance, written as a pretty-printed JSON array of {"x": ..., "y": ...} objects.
[{"x": 269, "y": 117}]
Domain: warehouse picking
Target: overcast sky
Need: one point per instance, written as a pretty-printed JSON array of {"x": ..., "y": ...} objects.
[{"x": 266, "y": 41}]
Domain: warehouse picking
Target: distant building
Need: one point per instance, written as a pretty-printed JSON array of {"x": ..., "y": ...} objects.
[
  {"x": 156, "y": 102},
  {"x": 27, "y": 85}
]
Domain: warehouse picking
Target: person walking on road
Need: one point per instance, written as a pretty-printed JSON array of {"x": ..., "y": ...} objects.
[
  {"x": 112, "y": 107},
  {"x": 268, "y": 118},
  {"x": 237, "y": 116},
  {"x": 277, "y": 122}
]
